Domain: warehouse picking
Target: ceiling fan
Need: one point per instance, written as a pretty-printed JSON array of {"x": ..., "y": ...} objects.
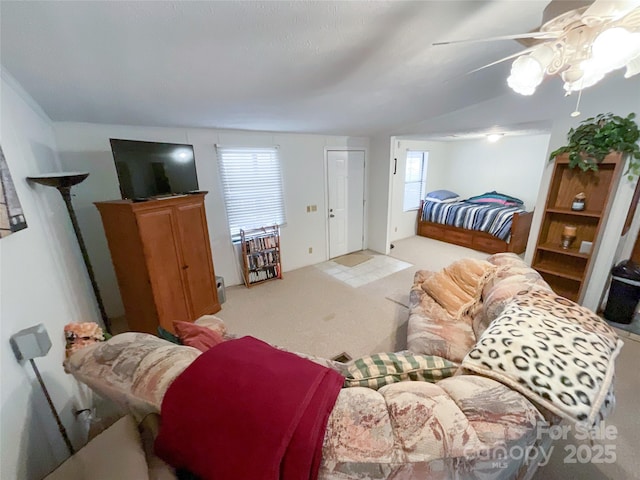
[{"x": 580, "y": 40}]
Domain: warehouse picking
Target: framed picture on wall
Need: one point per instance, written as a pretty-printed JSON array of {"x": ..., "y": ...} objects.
[{"x": 11, "y": 215}]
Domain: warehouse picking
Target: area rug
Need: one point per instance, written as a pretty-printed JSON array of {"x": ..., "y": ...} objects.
[{"x": 352, "y": 259}]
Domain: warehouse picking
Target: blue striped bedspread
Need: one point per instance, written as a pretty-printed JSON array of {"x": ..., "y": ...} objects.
[{"x": 493, "y": 219}]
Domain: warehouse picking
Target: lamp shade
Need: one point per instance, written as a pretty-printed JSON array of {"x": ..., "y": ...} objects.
[{"x": 61, "y": 179}]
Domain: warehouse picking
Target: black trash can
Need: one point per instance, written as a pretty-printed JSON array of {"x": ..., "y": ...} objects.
[{"x": 624, "y": 293}]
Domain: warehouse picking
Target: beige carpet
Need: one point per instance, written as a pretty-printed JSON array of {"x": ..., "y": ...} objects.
[
  {"x": 310, "y": 311},
  {"x": 352, "y": 259}
]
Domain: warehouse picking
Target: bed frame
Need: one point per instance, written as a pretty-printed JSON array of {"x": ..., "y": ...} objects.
[{"x": 476, "y": 240}]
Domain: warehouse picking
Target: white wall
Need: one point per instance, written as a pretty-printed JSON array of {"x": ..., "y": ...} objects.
[
  {"x": 620, "y": 97},
  {"x": 403, "y": 224},
  {"x": 379, "y": 203},
  {"x": 512, "y": 166},
  {"x": 86, "y": 147},
  {"x": 43, "y": 281}
]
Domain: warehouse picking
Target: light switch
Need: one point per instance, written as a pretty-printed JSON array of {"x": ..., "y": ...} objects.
[
  {"x": 308, "y": 208},
  {"x": 314, "y": 208}
]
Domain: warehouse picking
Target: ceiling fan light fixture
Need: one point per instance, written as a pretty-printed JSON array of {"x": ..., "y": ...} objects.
[
  {"x": 615, "y": 47},
  {"x": 592, "y": 73},
  {"x": 526, "y": 74}
]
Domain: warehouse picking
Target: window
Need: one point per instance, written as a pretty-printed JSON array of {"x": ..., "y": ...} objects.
[
  {"x": 415, "y": 178},
  {"x": 252, "y": 185}
]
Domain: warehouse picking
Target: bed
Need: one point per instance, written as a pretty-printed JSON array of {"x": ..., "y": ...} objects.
[{"x": 486, "y": 223}]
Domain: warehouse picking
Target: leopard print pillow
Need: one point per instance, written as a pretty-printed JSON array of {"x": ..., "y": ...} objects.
[{"x": 552, "y": 350}]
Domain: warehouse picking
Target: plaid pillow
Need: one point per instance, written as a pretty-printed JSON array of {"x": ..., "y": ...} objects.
[{"x": 375, "y": 371}]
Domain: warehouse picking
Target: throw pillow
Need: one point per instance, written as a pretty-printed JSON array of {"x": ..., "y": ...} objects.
[
  {"x": 212, "y": 322},
  {"x": 555, "y": 352},
  {"x": 80, "y": 335},
  {"x": 441, "y": 195},
  {"x": 470, "y": 275},
  {"x": 459, "y": 286},
  {"x": 444, "y": 290},
  {"x": 375, "y": 371},
  {"x": 197, "y": 336}
]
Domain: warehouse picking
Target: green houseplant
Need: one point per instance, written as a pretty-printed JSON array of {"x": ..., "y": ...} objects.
[{"x": 597, "y": 136}]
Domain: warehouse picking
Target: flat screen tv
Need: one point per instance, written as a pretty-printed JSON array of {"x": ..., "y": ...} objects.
[{"x": 152, "y": 169}]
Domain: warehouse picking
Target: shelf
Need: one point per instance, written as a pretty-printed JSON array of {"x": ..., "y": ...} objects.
[
  {"x": 573, "y": 251},
  {"x": 577, "y": 213},
  {"x": 263, "y": 267},
  {"x": 560, "y": 270},
  {"x": 562, "y": 286},
  {"x": 567, "y": 271},
  {"x": 261, "y": 254}
]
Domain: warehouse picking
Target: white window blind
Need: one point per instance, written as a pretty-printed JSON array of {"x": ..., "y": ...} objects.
[
  {"x": 252, "y": 183},
  {"x": 414, "y": 179}
]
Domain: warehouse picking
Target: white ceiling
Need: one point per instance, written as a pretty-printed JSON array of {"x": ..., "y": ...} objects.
[{"x": 334, "y": 67}]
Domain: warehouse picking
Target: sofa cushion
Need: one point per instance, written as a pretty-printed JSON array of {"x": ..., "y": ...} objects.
[
  {"x": 459, "y": 286},
  {"x": 555, "y": 352},
  {"x": 432, "y": 330},
  {"x": 114, "y": 454},
  {"x": 375, "y": 371},
  {"x": 197, "y": 336},
  {"x": 470, "y": 275}
]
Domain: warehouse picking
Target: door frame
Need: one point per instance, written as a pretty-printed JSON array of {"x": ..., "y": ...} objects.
[{"x": 365, "y": 213}]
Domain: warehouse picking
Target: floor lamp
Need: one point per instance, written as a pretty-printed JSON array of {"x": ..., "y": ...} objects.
[
  {"x": 63, "y": 182},
  {"x": 32, "y": 343}
]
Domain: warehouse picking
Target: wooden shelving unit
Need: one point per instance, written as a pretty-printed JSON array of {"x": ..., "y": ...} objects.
[
  {"x": 566, "y": 270},
  {"x": 261, "y": 254}
]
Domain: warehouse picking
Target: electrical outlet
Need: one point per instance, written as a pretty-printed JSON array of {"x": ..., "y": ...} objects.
[
  {"x": 310, "y": 249},
  {"x": 396, "y": 229}
]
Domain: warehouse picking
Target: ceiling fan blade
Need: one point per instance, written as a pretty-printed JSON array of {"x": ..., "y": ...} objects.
[
  {"x": 610, "y": 9},
  {"x": 515, "y": 55},
  {"x": 536, "y": 35}
]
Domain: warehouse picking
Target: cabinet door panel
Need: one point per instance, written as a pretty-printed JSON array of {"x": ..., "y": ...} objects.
[
  {"x": 162, "y": 253},
  {"x": 196, "y": 252}
]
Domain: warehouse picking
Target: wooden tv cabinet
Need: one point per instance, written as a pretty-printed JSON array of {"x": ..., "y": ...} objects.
[{"x": 161, "y": 253}]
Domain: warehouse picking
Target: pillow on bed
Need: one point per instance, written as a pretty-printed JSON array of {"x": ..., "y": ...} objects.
[
  {"x": 448, "y": 200},
  {"x": 495, "y": 197},
  {"x": 441, "y": 195}
]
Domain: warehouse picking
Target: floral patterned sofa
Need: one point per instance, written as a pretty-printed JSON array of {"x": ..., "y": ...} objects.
[{"x": 467, "y": 426}]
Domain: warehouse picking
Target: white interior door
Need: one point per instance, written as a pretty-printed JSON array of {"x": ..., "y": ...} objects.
[{"x": 345, "y": 185}]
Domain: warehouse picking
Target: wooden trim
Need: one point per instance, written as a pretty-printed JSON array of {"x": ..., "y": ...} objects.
[
  {"x": 635, "y": 254},
  {"x": 632, "y": 209},
  {"x": 520, "y": 227}
]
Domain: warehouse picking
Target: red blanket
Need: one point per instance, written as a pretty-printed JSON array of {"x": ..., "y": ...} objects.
[{"x": 245, "y": 410}]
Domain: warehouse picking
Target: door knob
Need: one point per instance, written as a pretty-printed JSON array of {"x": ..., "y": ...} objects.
[{"x": 331, "y": 215}]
